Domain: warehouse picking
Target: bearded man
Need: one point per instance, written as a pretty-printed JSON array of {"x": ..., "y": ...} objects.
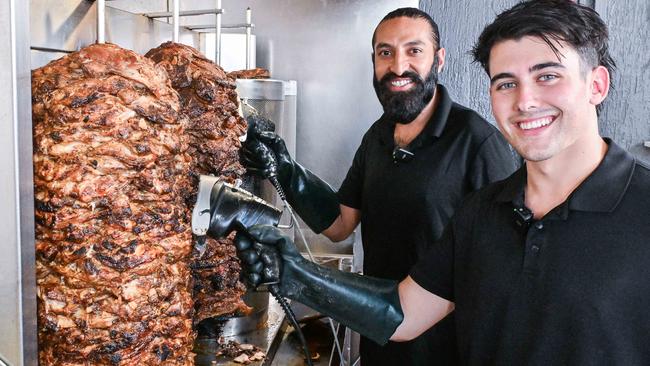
[{"x": 413, "y": 168}]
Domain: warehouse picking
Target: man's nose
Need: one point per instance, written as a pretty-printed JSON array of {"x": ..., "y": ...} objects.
[
  {"x": 526, "y": 98},
  {"x": 400, "y": 64}
]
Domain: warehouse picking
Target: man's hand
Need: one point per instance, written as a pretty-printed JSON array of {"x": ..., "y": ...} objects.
[
  {"x": 265, "y": 154},
  {"x": 270, "y": 257},
  {"x": 261, "y": 259}
]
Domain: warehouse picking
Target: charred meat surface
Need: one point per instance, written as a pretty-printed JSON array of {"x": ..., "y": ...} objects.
[
  {"x": 113, "y": 237},
  {"x": 208, "y": 98}
]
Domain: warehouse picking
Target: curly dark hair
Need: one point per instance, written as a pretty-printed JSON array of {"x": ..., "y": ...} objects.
[{"x": 552, "y": 21}]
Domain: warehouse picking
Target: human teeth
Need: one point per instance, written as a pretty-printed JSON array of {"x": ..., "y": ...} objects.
[
  {"x": 536, "y": 123},
  {"x": 400, "y": 82}
]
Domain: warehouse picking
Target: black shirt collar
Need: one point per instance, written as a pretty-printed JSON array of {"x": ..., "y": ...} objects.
[
  {"x": 600, "y": 192},
  {"x": 434, "y": 127}
]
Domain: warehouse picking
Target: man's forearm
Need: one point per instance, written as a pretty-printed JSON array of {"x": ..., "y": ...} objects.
[
  {"x": 344, "y": 225},
  {"x": 421, "y": 309}
]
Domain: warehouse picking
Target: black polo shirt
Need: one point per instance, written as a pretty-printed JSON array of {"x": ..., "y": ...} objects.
[
  {"x": 571, "y": 289},
  {"x": 406, "y": 205}
]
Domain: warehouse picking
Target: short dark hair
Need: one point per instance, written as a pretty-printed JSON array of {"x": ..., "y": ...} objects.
[
  {"x": 414, "y": 13},
  {"x": 552, "y": 21}
]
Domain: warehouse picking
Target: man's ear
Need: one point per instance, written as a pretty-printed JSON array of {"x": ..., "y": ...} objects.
[
  {"x": 599, "y": 84},
  {"x": 441, "y": 58}
]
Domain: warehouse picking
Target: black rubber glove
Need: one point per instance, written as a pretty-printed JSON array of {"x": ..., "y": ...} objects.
[
  {"x": 265, "y": 154},
  {"x": 365, "y": 304}
]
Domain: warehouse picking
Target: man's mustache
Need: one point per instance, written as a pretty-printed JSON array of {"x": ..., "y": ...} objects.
[{"x": 388, "y": 78}]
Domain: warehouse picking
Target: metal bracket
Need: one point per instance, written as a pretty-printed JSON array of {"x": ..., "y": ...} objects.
[
  {"x": 225, "y": 26},
  {"x": 185, "y": 13}
]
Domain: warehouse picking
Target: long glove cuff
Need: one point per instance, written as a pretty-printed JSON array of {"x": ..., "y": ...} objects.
[
  {"x": 312, "y": 198},
  {"x": 368, "y": 305}
]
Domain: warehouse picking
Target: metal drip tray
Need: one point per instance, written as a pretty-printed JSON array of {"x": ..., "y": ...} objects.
[
  {"x": 267, "y": 337},
  {"x": 270, "y": 333}
]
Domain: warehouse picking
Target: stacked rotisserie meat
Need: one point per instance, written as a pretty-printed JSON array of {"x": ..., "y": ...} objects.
[
  {"x": 112, "y": 225},
  {"x": 209, "y": 100}
]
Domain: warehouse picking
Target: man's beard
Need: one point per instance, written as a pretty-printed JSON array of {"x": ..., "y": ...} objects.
[{"x": 404, "y": 107}]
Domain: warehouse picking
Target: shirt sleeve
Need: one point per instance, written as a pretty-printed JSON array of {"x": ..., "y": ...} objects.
[
  {"x": 350, "y": 193},
  {"x": 494, "y": 161},
  {"x": 434, "y": 271}
]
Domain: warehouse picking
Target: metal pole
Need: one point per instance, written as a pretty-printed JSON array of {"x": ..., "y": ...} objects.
[
  {"x": 217, "y": 36},
  {"x": 101, "y": 21},
  {"x": 184, "y": 13},
  {"x": 248, "y": 38},
  {"x": 176, "y": 20},
  {"x": 18, "y": 345}
]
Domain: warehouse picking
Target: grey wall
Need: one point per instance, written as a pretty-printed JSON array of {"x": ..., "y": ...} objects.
[
  {"x": 460, "y": 23},
  {"x": 626, "y": 110}
]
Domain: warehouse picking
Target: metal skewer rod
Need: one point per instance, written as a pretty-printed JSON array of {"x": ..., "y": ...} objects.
[
  {"x": 248, "y": 37},
  {"x": 101, "y": 21},
  {"x": 176, "y": 19},
  {"x": 48, "y": 49},
  {"x": 217, "y": 35}
]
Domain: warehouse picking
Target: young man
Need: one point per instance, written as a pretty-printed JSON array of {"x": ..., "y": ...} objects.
[
  {"x": 413, "y": 167},
  {"x": 548, "y": 267}
]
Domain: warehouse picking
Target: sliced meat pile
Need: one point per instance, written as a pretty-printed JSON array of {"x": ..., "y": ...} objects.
[
  {"x": 209, "y": 99},
  {"x": 257, "y": 73},
  {"x": 113, "y": 236}
]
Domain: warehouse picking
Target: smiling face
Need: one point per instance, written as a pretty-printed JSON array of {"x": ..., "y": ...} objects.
[
  {"x": 544, "y": 104},
  {"x": 405, "y": 74}
]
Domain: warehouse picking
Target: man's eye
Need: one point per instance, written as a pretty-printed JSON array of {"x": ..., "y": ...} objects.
[
  {"x": 416, "y": 50},
  {"x": 384, "y": 53},
  {"x": 547, "y": 77},
  {"x": 504, "y": 86}
]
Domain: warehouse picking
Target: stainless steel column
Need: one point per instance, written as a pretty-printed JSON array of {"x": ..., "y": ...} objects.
[
  {"x": 217, "y": 35},
  {"x": 17, "y": 270},
  {"x": 248, "y": 37},
  {"x": 176, "y": 19},
  {"x": 101, "y": 21}
]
